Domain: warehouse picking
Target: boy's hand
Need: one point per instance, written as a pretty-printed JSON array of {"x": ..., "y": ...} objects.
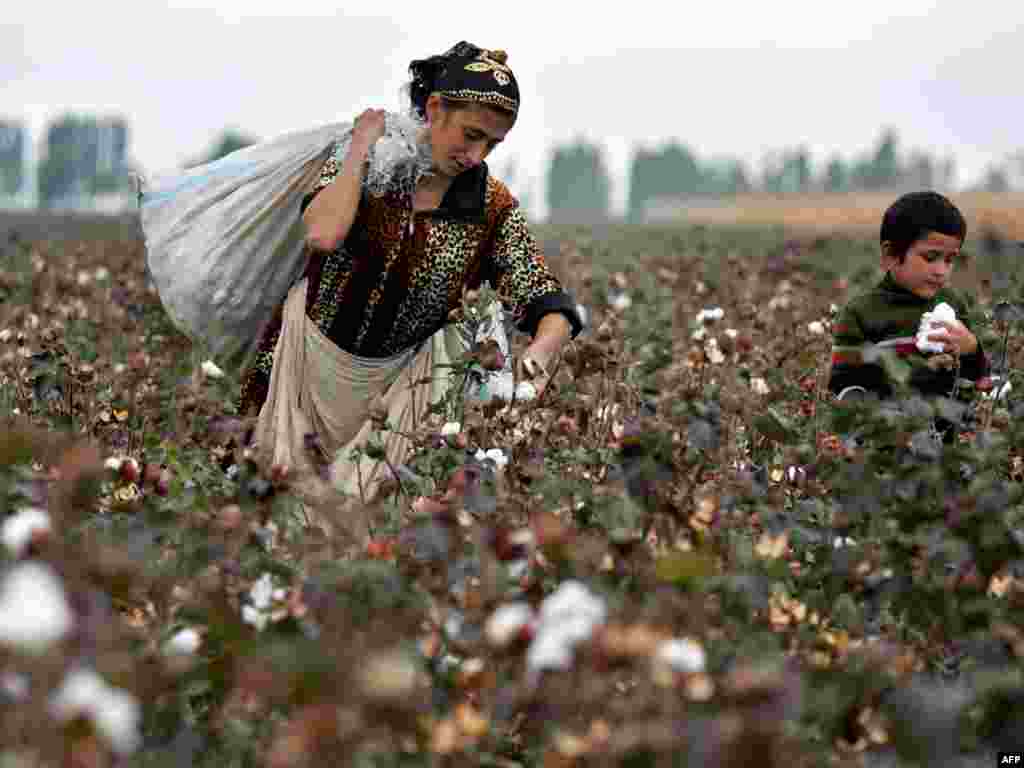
[{"x": 956, "y": 338}]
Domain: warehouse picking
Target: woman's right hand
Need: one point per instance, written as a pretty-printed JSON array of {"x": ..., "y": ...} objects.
[{"x": 368, "y": 127}]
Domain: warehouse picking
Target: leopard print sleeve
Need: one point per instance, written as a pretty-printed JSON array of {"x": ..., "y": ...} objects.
[
  {"x": 328, "y": 173},
  {"x": 530, "y": 288}
]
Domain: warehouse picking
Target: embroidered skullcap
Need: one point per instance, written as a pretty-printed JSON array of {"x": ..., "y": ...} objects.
[{"x": 465, "y": 72}]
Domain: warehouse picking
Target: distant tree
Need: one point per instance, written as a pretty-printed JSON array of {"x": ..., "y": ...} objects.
[
  {"x": 835, "y": 175},
  {"x": 84, "y": 156},
  {"x": 12, "y": 157},
  {"x": 787, "y": 171},
  {"x": 920, "y": 171},
  {"x": 229, "y": 141},
  {"x": 671, "y": 171},
  {"x": 996, "y": 180},
  {"x": 579, "y": 188},
  {"x": 885, "y": 168}
]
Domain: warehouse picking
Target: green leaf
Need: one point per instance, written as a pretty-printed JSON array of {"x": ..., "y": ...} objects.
[{"x": 775, "y": 427}]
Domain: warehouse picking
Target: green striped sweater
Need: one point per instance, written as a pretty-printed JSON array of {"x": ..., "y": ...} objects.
[{"x": 889, "y": 316}]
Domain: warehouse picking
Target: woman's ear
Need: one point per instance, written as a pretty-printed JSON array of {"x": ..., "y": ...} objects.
[{"x": 434, "y": 107}]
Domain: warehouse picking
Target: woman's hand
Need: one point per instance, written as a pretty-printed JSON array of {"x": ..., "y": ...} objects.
[
  {"x": 537, "y": 362},
  {"x": 956, "y": 339},
  {"x": 368, "y": 127}
]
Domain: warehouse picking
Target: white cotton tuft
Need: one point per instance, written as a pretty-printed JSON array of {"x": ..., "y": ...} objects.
[
  {"x": 18, "y": 529},
  {"x": 34, "y": 611},
  {"x": 262, "y": 592},
  {"x": 261, "y": 596},
  {"x": 760, "y": 386},
  {"x": 816, "y": 327},
  {"x": 184, "y": 642},
  {"x": 507, "y": 621},
  {"x": 211, "y": 371},
  {"x": 567, "y": 617},
  {"x": 115, "y": 713},
  {"x": 942, "y": 313},
  {"x": 621, "y": 302},
  {"x": 494, "y": 454},
  {"x": 451, "y": 428},
  {"x": 710, "y": 315},
  {"x": 682, "y": 655},
  {"x": 14, "y": 685}
]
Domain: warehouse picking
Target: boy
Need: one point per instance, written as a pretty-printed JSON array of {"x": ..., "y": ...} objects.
[{"x": 921, "y": 236}]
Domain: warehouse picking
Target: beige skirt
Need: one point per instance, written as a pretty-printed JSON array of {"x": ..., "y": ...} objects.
[{"x": 318, "y": 389}]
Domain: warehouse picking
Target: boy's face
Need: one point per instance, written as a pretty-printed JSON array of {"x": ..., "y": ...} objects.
[{"x": 927, "y": 266}]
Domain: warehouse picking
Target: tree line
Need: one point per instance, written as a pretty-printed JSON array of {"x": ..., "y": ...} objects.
[
  {"x": 86, "y": 156},
  {"x": 578, "y": 180}
]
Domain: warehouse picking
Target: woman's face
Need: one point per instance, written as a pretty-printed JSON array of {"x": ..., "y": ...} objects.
[{"x": 461, "y": 139}]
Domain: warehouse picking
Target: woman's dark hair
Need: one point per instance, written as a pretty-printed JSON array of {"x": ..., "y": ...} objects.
[{"x": 916, "y": 214}]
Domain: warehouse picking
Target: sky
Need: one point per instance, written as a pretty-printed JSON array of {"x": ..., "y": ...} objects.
[{"x": 726, "y": 77}]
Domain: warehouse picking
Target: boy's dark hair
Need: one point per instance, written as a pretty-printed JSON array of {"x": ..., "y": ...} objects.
[{"x": 916, "y": 214}]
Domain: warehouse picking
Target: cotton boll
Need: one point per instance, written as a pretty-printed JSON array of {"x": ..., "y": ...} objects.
[
  {"x": 943, "y": 313},
  {"x": 571, "y": 598},
  {"x": 14, "y": 686},
  {"x": 494, "y": 454},
  {"x": 184, "y": 642},
  {"x": 451, "y": 428},
  {"x": 710, "y": 315},
  {"x": 115, "y": 713},
  {"x": 682, "y": 655},
  {"x": 621, "y": 302},
  {"x": 548, "y": 651},
  {"x": 255, "y": 618},
  {"x": 567, "y": 617},
  {"x": 505, "y": 624},
  {"x": 18, "y": 529},
  {"x": 117, "y": 718},
  {"x": 760, "y": 386},
  {"x": 262, "y": 592},
  {"x": 816, "y": 327},
  {"x": 211, "y": 371},
  {"x": 34, "y": 611}
]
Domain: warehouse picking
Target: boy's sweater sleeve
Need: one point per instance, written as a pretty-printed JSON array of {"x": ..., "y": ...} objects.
[{"x": 848, "y": 366}]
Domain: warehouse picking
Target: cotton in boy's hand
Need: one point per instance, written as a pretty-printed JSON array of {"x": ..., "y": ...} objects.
[{"x": 931, "y": 325}]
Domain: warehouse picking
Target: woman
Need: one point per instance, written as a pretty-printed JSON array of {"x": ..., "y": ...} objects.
[{"x": 386, "y": 270}]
